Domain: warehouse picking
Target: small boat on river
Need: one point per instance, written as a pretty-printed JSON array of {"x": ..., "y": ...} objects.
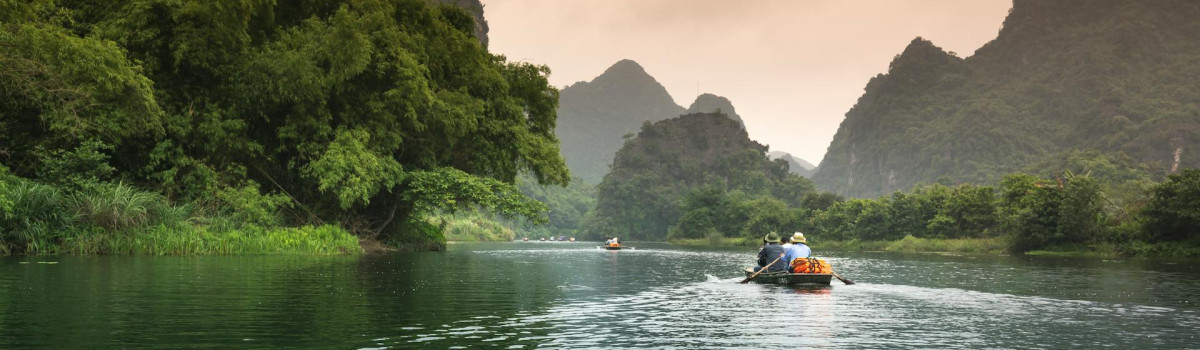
[{"x": 786, "y": 278}]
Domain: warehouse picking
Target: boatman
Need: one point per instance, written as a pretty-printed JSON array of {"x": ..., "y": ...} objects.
[
  {"x": 771, "y": 251},
  {"x": 798, "y": 250}
]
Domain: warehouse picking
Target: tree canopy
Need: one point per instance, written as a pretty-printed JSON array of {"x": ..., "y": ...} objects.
[{"x": 363, "y": 111}]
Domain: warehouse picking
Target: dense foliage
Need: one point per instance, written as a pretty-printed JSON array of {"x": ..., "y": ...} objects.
[
  {"x": 567, "y": 208},
  {"x": 368, "y": 113},
  {"x": 1071, "y": 212},
  {"x": 693, "y": 175},
  {"x": 1109, "y": 76}
]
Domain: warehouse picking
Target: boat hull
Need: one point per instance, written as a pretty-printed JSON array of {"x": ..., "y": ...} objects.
[
  {"x": 612, "y": 248},
  {"x": 785, "y": 278}
]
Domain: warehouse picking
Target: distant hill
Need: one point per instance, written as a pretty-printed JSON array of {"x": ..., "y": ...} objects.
[
  {"x": 795, "y": 165},
  {"x": 594, "y": 116},
  {"x": 653, "y": 172},
  {"x": 1112, "y": 79},
  {"x": 709, "y": 103}
]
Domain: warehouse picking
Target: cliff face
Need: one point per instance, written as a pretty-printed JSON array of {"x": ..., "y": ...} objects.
[
  {"x": 594, "y": 117},
  {"x": 1107, "y": 76}
]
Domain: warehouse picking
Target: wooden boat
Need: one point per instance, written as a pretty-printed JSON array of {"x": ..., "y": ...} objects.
[
  {"x": 612, "y": 247},
  {"x": 786, "y": 278}
]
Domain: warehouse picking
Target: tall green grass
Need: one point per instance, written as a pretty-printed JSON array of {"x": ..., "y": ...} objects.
[
  {"x": 106, "y": 218},
  {"x": 199, "y": 240},
  {"x": 471, "y": 227},
  {"x": 910, "y": 244}
]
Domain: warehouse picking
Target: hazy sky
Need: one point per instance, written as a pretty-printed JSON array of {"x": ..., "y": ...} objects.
[{"x": 792, "y": 68}]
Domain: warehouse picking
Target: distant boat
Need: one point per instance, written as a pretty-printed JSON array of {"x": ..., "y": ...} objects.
[
  {"x": 572, "y": 239},
  {"x": 524, "y": 239}
]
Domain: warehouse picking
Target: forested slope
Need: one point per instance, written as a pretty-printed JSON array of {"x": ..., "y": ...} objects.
[
  {"x": 365, "y": 114},
  {"x": 1113, "y": 77},
  {"x": 665, "y": 173}
]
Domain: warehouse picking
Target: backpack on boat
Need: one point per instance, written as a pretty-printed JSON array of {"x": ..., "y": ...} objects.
[{"x": 810, "y": 265}]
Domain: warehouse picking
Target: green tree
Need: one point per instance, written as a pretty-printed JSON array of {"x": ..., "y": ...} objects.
[
  {"x": 1030, "y": 210},
  {"x": 376, "y": 111},
  {"x": 1172, "y": 213}
]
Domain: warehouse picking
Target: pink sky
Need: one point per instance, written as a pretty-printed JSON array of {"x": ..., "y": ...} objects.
[{"x": 791, "y": 68}]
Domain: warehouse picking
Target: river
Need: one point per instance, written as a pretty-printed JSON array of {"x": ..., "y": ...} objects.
[{"x": 573, "y": 295}]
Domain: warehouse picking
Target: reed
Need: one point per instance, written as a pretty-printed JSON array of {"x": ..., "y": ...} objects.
[
  {"x": 120, "y": 219},
  {"x": 910, "y": 244},
  {"x": 472, "y": 228},
  {"x": 189, "y": 240}
]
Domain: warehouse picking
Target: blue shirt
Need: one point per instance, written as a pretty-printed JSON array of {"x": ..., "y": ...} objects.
[{"x": 798, "y": 250}]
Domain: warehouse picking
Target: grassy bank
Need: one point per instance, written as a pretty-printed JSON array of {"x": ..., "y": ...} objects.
[
  {"x": 998, "y": 245},
  {"x": 907, "y": 244},
  {"x": 910, "y": 244},
  {"x": 714, "y": 241},
  {"x": 471, "y": 226},
  {"x": 114, "y": 218}
]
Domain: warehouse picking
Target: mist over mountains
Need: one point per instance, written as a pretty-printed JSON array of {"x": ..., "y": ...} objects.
[
  {"x": 795, "y": 165},
  {"x": 595, "y": 116}
]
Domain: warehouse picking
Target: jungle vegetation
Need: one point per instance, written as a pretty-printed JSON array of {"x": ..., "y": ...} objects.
[
  {"x": 159, "y": 119},
  {"x": 698, "y": 179},
  {"x": 671, "y": 171}
]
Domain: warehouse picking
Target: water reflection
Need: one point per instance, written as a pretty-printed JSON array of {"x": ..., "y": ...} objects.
[{"x": 571, "y": 295}]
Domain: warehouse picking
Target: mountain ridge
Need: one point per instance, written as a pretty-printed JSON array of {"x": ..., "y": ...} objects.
[{"x": 1061, "y": 77}]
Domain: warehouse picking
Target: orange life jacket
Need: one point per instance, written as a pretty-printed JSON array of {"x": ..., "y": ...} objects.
[{"x": 810, "y": 265}]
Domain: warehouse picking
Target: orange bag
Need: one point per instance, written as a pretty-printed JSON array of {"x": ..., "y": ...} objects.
[{"x": 810, "y": 265}]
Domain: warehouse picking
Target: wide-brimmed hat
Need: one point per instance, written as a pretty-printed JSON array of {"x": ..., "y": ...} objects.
[
  {"x": 771, "y": 238},
  {"x": 799, "y": 238}
]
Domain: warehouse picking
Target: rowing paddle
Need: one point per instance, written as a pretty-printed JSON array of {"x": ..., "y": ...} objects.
[
  {"x": 763, "y": 269},
  {"x": 840, "y": 278}
]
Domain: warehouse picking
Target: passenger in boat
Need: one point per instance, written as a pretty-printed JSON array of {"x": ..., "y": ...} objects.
[
  {"x": 769, "y": 252},
  {"x": 787, "y": 242},
  {"x": 798, "y": 250}
]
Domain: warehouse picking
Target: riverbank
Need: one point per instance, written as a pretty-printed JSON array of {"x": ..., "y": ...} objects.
[
  {"x": 991, "y": 246},
  {"x": 908, "y": 244},
  {"x": 119, "y": 219},
  {"x": 167, "y": 240}
]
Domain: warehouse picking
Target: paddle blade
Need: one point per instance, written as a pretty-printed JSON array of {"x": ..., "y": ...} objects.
[{"x": 847, "y": 281}]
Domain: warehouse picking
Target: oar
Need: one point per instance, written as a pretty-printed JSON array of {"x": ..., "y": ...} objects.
[
  {"x": 761, "y": 270},
  {"x": 840, "y": 278}
]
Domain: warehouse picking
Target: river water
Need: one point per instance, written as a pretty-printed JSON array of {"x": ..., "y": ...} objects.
[{"x": 573, "y": 295}]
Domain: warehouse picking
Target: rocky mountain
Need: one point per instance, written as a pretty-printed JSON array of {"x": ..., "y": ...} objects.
[
  {"x": 594, "y": 117},
  {"x": 653, "y": 172},
  {"x": 795, "y": 165},
  {"x": 1109, "y": 78},
  {"x": 709, "y": 103}
]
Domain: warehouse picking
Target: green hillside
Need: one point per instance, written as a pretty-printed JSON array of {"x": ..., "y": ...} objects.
[
  {"x": 678, "y": 169},
  {"x": 1109, "y": 77}
]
